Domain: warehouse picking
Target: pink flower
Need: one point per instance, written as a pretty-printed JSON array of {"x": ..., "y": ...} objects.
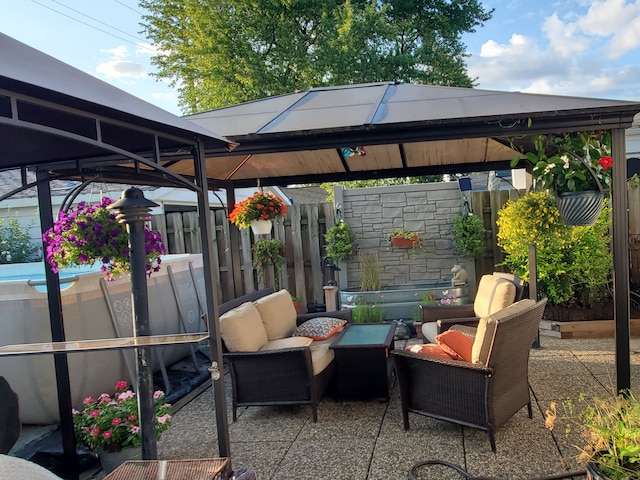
[
  {"x": 121, "y": 385},
  {"x": 164, "y": 418},
  {"x": 124, "y": 395},
  {"x": 116, "y": 421},
  {"x": 74, "y": 411},
  {"x": 88, "y": 400},
  {"x": 95, "y": 431},
  {"x": 132, "y": 417},
  {"x": 94, "y": 413},
  {"x": 107, "y": 434},
  {"x": 135, "y": 429},
  {"x": 157, "y": 394},
  {"x": 104, "y": 398}
]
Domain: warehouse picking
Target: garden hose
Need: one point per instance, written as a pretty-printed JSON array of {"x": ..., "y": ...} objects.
[{"x": 467, "y": 476}]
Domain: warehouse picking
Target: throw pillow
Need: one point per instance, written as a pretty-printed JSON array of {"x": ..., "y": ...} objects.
[
  {"x": 429, "y": 349},
  {"x": 242, "y": 330},
  {"x": 320, "y": 328},
  {"x": 278, "y": 314},
  {"x": 456, "y": 344}
]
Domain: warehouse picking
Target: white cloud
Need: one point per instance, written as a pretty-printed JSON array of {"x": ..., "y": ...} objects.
[
  {"x": 122, "y": 69},
  {"x": 617, "y": 20},
  {"x": 119, "y": 52},
  {"x": 564, "y": 37}
]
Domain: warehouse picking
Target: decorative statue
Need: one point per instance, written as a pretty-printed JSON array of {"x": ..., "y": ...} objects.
[{"x": 459, "y": 276}]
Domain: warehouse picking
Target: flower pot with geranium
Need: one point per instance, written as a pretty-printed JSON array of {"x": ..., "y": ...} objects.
[
  {"x": 261, "y": 206},
  {"x": 91, "y": 233},
  {"x": 110, "y": 423},
  {"x": 576, "y": 166},
  {"x": 403, "y": 238}
]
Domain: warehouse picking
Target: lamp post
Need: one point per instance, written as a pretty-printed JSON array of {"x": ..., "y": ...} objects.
[{"x": 133, "y": 210}]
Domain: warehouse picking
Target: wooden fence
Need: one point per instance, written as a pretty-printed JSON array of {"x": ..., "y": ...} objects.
[{"x": 302, "y": 232}]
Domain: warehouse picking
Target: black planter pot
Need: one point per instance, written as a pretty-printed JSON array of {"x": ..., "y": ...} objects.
[
  {"x": 579, "y": 209},
  {"x": 594, "y": 474}
]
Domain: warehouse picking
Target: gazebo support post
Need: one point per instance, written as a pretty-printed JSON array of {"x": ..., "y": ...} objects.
[
  {"x": 56, "y": 321},
  {"x": 133, "y": 212},
  {"x": 215, "y": 344},
  {"x": 622, "y": 309}
]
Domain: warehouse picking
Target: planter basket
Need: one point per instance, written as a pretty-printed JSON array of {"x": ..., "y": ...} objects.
[
  {"x": 402, "y": 242},
  {"x": 580, "y": 208},
  {"x": 261, "y": 227}
]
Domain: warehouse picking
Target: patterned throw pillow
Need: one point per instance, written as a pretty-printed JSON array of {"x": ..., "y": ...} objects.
[{"x": 320, "y": 328}]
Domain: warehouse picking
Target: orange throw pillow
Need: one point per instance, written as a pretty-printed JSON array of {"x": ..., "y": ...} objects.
[
  {"x": 456, "y": 344},
  {"x": 430, "y": 349}
]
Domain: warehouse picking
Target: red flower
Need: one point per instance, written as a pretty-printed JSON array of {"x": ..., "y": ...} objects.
[{"x": 606, "y": 162}]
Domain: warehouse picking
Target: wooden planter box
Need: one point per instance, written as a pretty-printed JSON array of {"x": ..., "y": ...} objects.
[{"x": 401, "y": 242}]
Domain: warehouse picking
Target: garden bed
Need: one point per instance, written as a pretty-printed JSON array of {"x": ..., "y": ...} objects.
[{"x": 600, "y": 311}]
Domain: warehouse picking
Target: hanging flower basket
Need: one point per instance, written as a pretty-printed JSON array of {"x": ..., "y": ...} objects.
[
  {"x": 579, "y": 209},
  {"x": 260, "y": 206},
  {"x": 261, "y": 227},
  {"x": 91, "y": 234}
]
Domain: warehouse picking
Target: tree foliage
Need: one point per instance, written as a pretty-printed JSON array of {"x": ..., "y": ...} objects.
[{"x": 223, "y": 52}]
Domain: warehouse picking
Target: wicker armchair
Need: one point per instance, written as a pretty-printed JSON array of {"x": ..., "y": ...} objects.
[
  {"x": 490, "y": 298},
  {"x": 277, "y": 377},
  {"x": 478, "y": 395}
]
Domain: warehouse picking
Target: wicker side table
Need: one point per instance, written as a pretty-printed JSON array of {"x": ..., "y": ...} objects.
[{"x": 196, "y": 469}]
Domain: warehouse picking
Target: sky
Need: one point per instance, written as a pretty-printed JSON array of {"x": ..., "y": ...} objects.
[{"x": 564, "y": 47}]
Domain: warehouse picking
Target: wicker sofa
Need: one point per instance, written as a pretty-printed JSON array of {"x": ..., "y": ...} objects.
[{"x": 268, "y": 362}]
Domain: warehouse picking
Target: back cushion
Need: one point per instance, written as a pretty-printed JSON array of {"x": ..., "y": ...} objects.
[
  {"x": 483, "y": 342},
  {"x": 493, "y": 294},
  {"x": 242, "y": 330},
  {"x": 278, "y": 314}
]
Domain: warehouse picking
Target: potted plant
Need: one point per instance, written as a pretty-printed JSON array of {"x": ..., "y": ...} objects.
[
  {"x": 468, "y": 235},
  {"x": 340, "y": 242},
  {"x": 402, "y": 238},
  {"x": 576, "y": 166},
  {"x": 269, "y": 252},
  {"x": 610, "y": 430},
  {"x": 258, "y": 211},
  {"x": 109, "y": 425},
  {"x": 297, "y": 303},
  {"x": 90, "y": 234}
]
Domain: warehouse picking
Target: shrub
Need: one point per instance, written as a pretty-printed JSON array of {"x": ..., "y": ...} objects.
[
  {"x": 574, "y": 263},
  {"x": 15, "y": 243},
  {"x": 340, "y": 242},
  {"x": 468, "y": 235}
]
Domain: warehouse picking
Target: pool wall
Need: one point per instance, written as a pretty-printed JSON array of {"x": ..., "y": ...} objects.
[
  {"x": 24, "y": 318},
  {"x": 401, "y": 301}
]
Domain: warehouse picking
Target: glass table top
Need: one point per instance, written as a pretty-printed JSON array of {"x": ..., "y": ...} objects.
[{"x": 365, "y": 334}]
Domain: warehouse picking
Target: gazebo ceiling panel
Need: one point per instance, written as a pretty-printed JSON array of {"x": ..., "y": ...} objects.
[
  {"x": 454, "y": 152},
  {"x": 378, "y": 157}
]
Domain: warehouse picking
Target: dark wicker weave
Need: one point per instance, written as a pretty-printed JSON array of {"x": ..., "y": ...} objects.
[
  {"x": 277, "y": 377},
  {"x": 444, "y": 316},
  {"x": 476, "y": 396}
]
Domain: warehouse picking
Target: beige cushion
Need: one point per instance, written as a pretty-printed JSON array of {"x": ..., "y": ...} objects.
[
  {"x": 481, "y": 350},
  {"x": 321, "y": 355},
  {"x": 278, "y": 314},
  {"x": 289, "y": 342},
  {"x": 494, "y": 293},
  {"x": 242, "y": 330}
]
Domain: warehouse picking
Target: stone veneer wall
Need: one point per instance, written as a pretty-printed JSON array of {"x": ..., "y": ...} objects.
[{"x": 427, "y": 209}]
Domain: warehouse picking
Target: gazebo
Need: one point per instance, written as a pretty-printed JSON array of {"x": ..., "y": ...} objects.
[{"x": 63, "y": 123}]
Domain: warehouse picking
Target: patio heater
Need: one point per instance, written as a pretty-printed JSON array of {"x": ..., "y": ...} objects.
[{"x": 133, "y": 212}]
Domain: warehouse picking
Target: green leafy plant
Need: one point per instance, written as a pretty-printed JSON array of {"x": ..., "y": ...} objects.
[
  {"x": 369, "y": 272},
  {"x": 340, "y": 242},
  {"x": 15, "y": 243},
  {"x": 572, "y": 162},
  {"x": 111, "y": 423},
  {"x": 610, "y": 432},
  {"x": 269, "y": 252},
  {"x": 367, "y": 312},
  {"x": 469, "y": 235},
  {"x": 574, "y": 264}
]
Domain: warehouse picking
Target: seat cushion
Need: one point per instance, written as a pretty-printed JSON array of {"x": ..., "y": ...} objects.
[
  {"x": 431, "y": 350},
  {"x": 321, "y": 355},
  {"x": 289, "y": 342},
  {"x": 494, "y": 293},
  {"x": 320, "y": 328},
  {"x": 278, "y": 314},
  {"x": 242, "y": 330},
  {"x": 486, "y": 330},
  {"x": 456, "y": 344}
]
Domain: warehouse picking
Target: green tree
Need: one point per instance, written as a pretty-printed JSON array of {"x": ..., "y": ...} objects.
[
  {"x": 223, "y": 52},
  {"x": 15, "y": 243}
]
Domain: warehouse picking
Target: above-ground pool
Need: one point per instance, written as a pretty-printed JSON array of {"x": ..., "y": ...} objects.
[{"x": 400, "y": 302}]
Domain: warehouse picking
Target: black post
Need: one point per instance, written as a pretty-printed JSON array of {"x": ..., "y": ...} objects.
[
  {"x": 61, "y": 364},
  {"x": 533, "y": 282},
  {"x": 133, "y": 212}
]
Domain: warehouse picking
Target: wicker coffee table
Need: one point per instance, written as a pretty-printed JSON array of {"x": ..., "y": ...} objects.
[
  {"x": 363, "y": 364},
  {"x": 196, "y": 469}
]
